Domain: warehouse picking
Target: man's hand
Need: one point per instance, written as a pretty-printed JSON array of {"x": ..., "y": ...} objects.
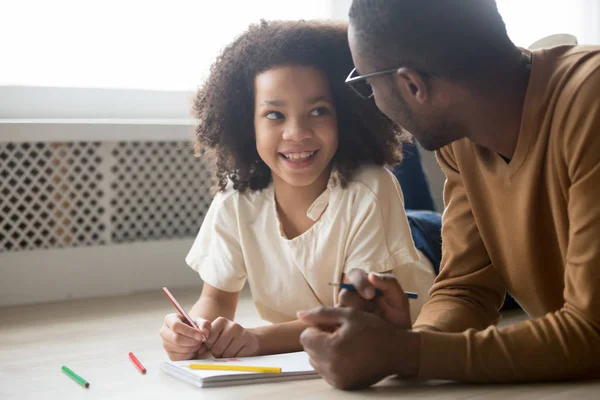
[
  {"x": 354, "y": 349},
  {"x": 229, "y": 339},
  {"x": 392, "y": 305}
]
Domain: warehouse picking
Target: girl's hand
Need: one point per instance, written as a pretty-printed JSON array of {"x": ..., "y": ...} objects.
[
  {"x": 229, "y": 339},
  {"x": 181, "y": 341}
]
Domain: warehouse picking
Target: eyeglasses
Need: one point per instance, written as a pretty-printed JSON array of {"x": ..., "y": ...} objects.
[
  {"x": 359, "y": 83},
  {"x": 361, "y": 86}
]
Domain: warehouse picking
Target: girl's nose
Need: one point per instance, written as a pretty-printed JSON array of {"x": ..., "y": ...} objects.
[{"x": 297, "y": 130}]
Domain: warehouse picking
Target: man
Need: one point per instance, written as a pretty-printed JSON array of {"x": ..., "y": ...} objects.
[{"x": 517, "y": 134}]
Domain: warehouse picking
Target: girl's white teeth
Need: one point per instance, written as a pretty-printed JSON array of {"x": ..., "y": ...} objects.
[{"x": 298, "y": 156}]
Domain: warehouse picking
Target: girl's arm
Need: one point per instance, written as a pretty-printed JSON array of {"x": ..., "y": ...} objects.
[
  {"x": 214, "y": 303},
  {"x": 279, "y": 338},
  {"x": 228, "y": 339},
  {"x": 218, "y": 307}
]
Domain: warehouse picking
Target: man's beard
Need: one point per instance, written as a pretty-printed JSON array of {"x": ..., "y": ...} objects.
[{"x": 432, "y": 138}]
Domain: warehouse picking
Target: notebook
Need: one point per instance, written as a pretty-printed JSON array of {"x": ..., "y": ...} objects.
[{"x": 294, "y": 366}]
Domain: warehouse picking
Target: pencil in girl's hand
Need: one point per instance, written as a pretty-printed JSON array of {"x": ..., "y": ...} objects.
[
  {"x": 349, "y": 287},
  {"x": 187, "y": 319}
]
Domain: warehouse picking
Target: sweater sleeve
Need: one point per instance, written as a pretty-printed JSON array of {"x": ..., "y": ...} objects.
[
  {"x": 564, "y": 344},
  {"x": 468, "y": 292}
]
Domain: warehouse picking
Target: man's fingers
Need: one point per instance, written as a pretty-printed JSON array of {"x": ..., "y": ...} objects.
[
  {"x": 314, "y": 341},
  {"x": 388, "y": 309},
  {"x": 394, "y": 302},
  {"x": 355, "y": 300},
  {"x": 359, "y": 279},
  {"x": 324, "y": 316},
  {"x": 313, "y": 363},
  {"x": 388, "y": 284}
]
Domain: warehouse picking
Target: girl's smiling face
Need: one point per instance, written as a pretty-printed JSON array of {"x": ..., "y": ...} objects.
[{"x": 295, "y": 124}]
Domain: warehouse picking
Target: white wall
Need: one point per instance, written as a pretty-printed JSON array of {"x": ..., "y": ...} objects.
[
  {"x": 531, "y": 20},
  {"x": 61, "y": 274},
  {"x": 27, "y": 102}
]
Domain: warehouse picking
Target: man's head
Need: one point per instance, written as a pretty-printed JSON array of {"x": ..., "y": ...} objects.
[{"x": 441, "y": 50}]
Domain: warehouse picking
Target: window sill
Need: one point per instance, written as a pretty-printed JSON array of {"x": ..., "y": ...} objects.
[{"x": 35, "y": 130}]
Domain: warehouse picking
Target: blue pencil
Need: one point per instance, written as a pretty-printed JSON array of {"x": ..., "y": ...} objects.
[{"x": 349, "y": 287}]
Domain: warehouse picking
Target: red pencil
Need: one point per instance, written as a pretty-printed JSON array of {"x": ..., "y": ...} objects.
[
  {"x": 189, "y": 320},
  {"x": 137, "y": 363}
]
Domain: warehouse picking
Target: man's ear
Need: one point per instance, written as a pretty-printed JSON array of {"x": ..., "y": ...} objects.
[{"x": 412, "y": 85}]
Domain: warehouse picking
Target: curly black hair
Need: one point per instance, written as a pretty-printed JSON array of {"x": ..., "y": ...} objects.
[{"x": 224, "y": 105}]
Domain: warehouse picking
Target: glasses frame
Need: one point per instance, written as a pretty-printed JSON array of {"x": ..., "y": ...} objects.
[{"x": 350, "y": 80}]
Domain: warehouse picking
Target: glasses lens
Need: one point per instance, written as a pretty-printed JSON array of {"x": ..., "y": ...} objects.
[{"x": 363, "y": 88}]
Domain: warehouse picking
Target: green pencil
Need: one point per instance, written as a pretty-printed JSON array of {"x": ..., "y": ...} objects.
[{"x": 76, "y": 377}]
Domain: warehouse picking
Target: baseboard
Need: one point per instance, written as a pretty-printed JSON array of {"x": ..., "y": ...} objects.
[{"x": 38, "y": 276}]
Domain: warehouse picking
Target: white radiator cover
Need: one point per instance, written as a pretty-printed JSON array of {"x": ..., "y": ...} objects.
[
  {"x": 82, "y": 218},
  {"x": 116, "y": 255}
]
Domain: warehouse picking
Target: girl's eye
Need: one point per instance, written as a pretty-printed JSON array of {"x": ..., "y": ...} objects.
[
  {"x": 273, "y": 115},
  {"x": 317, "y": 112}
]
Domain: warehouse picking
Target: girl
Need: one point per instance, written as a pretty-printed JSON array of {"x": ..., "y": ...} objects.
[{"x": 303, "y": 196}]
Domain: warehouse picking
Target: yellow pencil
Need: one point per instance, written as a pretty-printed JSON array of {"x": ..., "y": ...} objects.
[{"x": 243, "y": 368}]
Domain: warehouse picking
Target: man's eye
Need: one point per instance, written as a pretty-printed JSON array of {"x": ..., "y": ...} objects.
[{"x": 274, "y": 115}]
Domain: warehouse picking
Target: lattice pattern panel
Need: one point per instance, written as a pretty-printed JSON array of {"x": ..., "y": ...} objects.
[
  {"x": 69, "y": 194},
  {"x": 160, "y": 190},
  {"x": 49, "y": 195}
]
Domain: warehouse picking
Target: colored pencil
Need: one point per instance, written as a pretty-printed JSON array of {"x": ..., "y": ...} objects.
[
  {"x": 189, "y": 320},
  {"x": 242, "y": 368},
  {"x": 76, "y": 377},
  {"x": 349, "y": 287},
  {"x": 137, "y": 363}
]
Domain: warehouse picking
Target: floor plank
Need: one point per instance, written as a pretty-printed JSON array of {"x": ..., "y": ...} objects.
[{"x": 94, "y": 336}]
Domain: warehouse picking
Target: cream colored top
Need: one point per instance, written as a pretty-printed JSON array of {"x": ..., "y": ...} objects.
[{"x": 362, "y": 226}]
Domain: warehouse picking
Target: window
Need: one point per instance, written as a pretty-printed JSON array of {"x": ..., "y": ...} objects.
[
  {"x": 142, "y": 59},
  {"x": 130, "y": 44},
  {"x": 531, "y": 20}
]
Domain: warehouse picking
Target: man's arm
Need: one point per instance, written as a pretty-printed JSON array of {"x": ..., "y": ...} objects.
[
  {"x": 564, "y": 344},
  {"x": 468, "y": 292}
]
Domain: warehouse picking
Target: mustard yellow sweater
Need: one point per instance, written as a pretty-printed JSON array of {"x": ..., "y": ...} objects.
[{"x": 531, "y": 227}]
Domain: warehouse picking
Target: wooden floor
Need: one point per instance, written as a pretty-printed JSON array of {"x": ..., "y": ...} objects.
[{"x": 93, "y": 337}]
